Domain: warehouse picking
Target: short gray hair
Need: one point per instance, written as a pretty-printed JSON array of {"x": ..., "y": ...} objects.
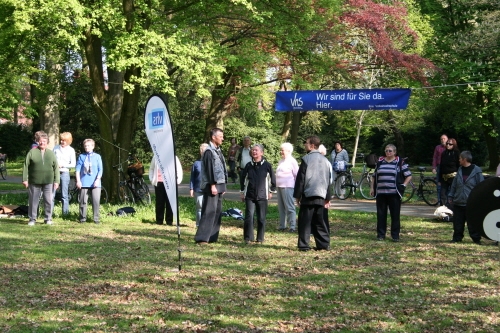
[
  {"x": 287, "y": 146},
  {"x": 322, "y": 149},
  {"x": 466, "y": 155}
]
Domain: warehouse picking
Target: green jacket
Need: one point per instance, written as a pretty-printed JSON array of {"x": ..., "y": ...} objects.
[{"x": 41, "y": 170}]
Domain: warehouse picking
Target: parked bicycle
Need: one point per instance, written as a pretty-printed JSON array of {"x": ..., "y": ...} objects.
[
  {"x": 74, "y": 192},
  {"x": 132, "y": 188},
  {"x": 345, "y": 184},
  {"x": 3, "y": 166},
  {"x": 426, "y": 190}
]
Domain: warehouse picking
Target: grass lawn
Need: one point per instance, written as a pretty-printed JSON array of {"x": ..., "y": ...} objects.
[{"x": 122, "y": 276}]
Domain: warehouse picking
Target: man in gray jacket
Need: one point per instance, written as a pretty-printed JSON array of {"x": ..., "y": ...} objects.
[
  {"x": 468, "y": 176},
  {"x": 213, "y": 185},
  {"x": 312, "y": 193}
]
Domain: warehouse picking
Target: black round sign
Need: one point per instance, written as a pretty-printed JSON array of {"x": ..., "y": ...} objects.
[{"x": 483, "y": 208}]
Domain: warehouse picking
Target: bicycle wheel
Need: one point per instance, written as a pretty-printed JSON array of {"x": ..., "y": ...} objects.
[
  {"x": 365, "y": 187},
  {"x": 142, "y": 190},
  {"x": 104, "y": 196},
  {"x": 429, "y": 192},
  {"x": 409, "y": 193},
  {"x": 125, "y": 194},
  {"x": 3, "y": 170},
  {"x": 343, "y": 186}
]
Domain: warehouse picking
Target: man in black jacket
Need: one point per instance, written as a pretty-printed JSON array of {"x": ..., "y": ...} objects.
[{"x": 255, "y": 180}]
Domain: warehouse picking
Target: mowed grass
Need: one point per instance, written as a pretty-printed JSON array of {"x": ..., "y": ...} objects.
[{"x": 123, "y": 276}]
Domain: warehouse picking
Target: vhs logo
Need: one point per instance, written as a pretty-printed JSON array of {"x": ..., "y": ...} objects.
[{"x": 156, "y": 118}]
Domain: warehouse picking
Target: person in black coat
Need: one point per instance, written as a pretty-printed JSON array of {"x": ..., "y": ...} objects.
[
  {"x": 448, "y": 169},
  {"x": 257, "y": 185}
]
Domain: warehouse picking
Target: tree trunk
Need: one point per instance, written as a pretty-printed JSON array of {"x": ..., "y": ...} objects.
[
  {"x": 488, "y": 129},
  {"x": 296, "y": 119},
  {"x": 287, "y": 125},
  {"x": 222, "y": 102}
]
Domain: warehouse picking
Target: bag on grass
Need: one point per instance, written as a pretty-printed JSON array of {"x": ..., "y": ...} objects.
[
  {"x": 234, "y": 212},
  {"x": 125, "y": 211}
]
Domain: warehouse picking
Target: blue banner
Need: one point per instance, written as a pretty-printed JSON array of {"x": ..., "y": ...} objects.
[{"x": 344, "y": 99}]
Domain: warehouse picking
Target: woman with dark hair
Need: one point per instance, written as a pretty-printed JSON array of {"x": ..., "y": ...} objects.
[
  {"x": 339, "y": 158},
  {"x": 448, "y": 168},
  {"x": 231, "y": 158}
]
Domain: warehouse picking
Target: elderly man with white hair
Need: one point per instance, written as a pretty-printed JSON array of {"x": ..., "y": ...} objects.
[{"x": 286, "y": 173}]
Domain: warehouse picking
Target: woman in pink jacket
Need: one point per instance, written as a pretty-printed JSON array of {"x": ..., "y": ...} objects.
[{"x": 286, "y": 172}]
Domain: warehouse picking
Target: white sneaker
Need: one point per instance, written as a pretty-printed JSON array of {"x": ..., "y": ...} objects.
[
  {"x": 31, "y": 223},
  {"x": 49, "y": 223}
]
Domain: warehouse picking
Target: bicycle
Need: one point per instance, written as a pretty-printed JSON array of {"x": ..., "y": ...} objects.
[
  {"x": 347, "y": 182},
  {"x": 426, "y": 190},
  {"x": 132, "y": 188},
  {"x": 3, "y": 167},
  {"x": 74, "y": 192}
]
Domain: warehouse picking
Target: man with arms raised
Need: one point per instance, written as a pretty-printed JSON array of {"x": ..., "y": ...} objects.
[
  {"x": 213, "y": 185},
  {"x": 312, "y": 193}
]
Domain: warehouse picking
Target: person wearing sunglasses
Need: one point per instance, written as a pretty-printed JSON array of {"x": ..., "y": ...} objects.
[
  {"x": 391, "y": 178},
  {"x": 448, "y": 167}
]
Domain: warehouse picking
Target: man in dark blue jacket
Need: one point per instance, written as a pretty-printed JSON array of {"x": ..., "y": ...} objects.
[{"x": 257, "y": 185}]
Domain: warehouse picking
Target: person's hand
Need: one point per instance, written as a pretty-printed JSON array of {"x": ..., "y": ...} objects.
[
  {"x": 78, "y": 184},
  {"x": 297, "y": 202},
  {"x": 56, "y": 186},
  {"x": 270, "y": 195},
  {"x": 242, "y": 196},
  {"x": 327, "y": 204},
  {"x": 213, "y": 190},
  {"x": 372, "y": 192},
  {"x": 191, "y": 193},
  {"x": 434, "y": 171},
  {"x": 25, "y": 183}
]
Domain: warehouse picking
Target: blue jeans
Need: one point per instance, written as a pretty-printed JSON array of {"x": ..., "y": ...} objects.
[
  {"x": 286, "y": 207},
  {"x": 64, "y": 185},
  {"x": 198, "y": 197}
]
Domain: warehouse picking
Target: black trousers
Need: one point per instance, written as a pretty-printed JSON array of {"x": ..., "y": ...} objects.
[
  {"x": 393, "y": 202},
  {"x": 459, "y": 219},
  {"x": 162, "y": 205},
  {"x": 210, "y": 221},
  {"x": 311, "y": 220},
  {"x": 252, "y": 206}
]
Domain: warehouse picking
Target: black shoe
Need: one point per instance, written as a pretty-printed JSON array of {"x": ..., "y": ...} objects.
[
  {"x": 395, "y": 240},
  {"x": 171, "y": 223},
  {"x": 97, "y": 222},
  {"x": 478, "y": 242},
  {"x": 291, "y": 230},
  {"x": 455, "y": 241},
  {"x": 304, "y": 249},
  {"x": 380, "y": 239},
  {"x": 322, "y": 249}
]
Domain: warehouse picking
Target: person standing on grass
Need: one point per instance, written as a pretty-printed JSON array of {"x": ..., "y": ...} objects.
[
  {"x": 231, "y": 159},
  {"x": 448, "y": 167},
  {"x": 40, "y": 177},
  {"x": 66, "y": 159},
  {"x": 163, "y": 210},
  {"x": 257, "y": 185},
  {"x": 468, "y": 176},
  {"x": 312, "y": 193},
  {"x": 88, "y": 174},
  {"x": 286, "y": 173},
  {"x": 436, "y": 160},
  {"x": 243, "y": 155},
  {"x": 213, "y": 185},
  {"x": 195, "y": 183},
  {"x": 339, "y": 155},
  {"x": 391, "y": 176}
]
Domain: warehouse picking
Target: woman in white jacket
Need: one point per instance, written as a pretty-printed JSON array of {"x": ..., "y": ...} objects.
[{"x": 162, "y": 204}]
